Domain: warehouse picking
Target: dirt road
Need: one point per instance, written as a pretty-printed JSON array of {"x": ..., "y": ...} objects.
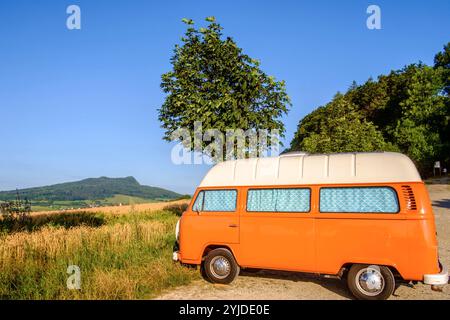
[{"x": 283, "y": 285}]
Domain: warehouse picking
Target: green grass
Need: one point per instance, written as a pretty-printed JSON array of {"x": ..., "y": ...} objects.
[
  {"x": 126, "y": 256},
  {"x": 126, "y": 200}
]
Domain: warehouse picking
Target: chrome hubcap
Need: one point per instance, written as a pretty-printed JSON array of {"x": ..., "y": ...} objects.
[
  {"x": 370, "y": 281},
  {"x": 220, "y": 267}
]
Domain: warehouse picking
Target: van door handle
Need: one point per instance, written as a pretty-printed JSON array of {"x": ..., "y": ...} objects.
[{"x": 233, "y": 225}]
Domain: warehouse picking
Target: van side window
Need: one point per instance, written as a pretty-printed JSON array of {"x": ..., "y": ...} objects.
[
  {"x": 359, "y": 200},
  {"x": 279, "y": 200},
  {"x": 215, "y": 200}
]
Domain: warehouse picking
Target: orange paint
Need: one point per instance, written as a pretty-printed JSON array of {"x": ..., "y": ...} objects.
[{"x": 318, "y": 242}]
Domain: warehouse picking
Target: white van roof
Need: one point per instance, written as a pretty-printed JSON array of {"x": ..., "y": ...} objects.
[{"x": 292, "y": 169}]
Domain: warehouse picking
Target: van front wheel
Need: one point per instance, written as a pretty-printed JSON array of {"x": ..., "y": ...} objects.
[
  {"x": 371, "y": 282},
  {"x": 220, "y": 266}
]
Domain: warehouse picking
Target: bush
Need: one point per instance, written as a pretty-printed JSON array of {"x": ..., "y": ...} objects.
[
  {"x": 14, "y": 215},
  {"x": 176, "y": 209},
  {"x": 14, "y": 223}
]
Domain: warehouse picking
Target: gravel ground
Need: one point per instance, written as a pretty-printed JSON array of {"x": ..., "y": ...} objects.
[{"x": 283, "y": 285}]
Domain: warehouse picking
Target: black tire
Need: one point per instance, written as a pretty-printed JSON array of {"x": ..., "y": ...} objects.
[
  {"x": 203, "y": 274},
  {"x": 368, "y": 290},
  {"x": 222, "y": 258}
]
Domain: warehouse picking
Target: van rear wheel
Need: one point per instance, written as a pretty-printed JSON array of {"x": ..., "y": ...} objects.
[
  {"x": 370, "y": 282},
  {"x": 220, "y": 266}
]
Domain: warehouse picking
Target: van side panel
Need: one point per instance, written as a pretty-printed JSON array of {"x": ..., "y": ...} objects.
[
  {"x": 277, "y": 241},
  {"x": 405, "y": 240},
  {"x": 343, "y": 240},
  {"x": 200, "y": 229},
  {"x": 320, "y": 242},
  {"x": 423, "y": 246},
  {"x": 423, "y": 257}
]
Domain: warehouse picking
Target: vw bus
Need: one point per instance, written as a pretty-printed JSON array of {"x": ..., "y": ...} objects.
[{"x": 363, "y": 217}]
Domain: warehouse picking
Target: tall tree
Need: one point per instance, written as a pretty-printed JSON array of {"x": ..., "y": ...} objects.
[
  {"x": 339, "y": 127},
  {"x": 442, "y": 63},
  {"x": 442, "y": 60},
  {"x": 214, "y": 82},
  {"x": 418, "y": 130},
  {"x": 407, "y": 110}
]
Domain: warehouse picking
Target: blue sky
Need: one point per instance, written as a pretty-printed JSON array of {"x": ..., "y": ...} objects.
[{"x": 83, "y": 103}]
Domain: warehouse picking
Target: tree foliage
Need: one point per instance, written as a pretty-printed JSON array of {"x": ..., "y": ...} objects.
[
  {"x": 14, "y": 214},
  {"x": 407, "y": 110},
  {"x": 442, "y": 60},
  {"x": 214, "y": 82},
  {"x": 346, "y": 131}
]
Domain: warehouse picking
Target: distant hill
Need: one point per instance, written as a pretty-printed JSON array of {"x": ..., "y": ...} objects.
[{"x": 99, "y": 191}]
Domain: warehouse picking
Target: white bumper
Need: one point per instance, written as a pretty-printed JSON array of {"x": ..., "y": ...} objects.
[{"x": 438, "y": 279}]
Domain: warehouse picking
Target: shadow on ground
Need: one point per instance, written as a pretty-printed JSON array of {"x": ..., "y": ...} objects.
[
  {"x": 337, "y": 286},
  {"x": 334, "y": 285},
  {"x": 444, "y": 203}
]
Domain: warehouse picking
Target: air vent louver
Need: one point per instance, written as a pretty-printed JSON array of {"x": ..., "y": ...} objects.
[{"x": 410, "y": 200}]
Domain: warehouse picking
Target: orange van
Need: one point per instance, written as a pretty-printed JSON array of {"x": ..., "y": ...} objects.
[{"x": 365, "y": 217}]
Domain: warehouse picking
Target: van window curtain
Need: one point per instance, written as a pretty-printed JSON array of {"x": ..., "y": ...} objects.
[
  {"x": 220, "y": 200},
  {"x": 279, "y": 200},
  {"x": 362, "y": 199}
]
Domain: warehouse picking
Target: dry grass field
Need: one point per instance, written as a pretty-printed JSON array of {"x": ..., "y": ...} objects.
[
  {"x": 120, "y": 256},
  {"x": 123, "y": 209}
]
